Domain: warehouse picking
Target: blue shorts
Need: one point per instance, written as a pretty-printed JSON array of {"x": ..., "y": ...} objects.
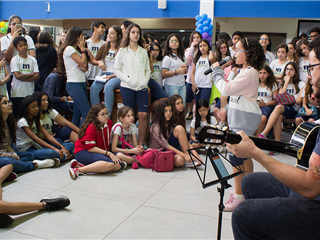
[
  {"x": 204, "y": 93},
  {"x": 218, "y": 104},
  {"x": 156, "y": 90},
  {"x": 306, "y": 118},
  {"x": 266, "y": 111},
  {"x": 174, "y": 142},
  {"x": 4, "y": 162},
  {"x": 131, "y": 98},
  {"x": 62, "y": 133},
  {"x": 87, "y": 158},
  {"x": 289, "y": 112},
  {"x": 189, "y": 95}
]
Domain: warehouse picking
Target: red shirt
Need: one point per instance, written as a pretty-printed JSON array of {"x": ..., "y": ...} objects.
[{"x": 95, "y": 138}]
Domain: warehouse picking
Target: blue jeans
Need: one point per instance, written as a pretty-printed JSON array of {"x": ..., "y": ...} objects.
[
  {"x": 171, "y": 90},
  {"x": 47, "y": 153},
  {"x": 25, "y": 164},
  {"x": 62, "y": 133},
  {"x": 204, "y": 93},
  {"x": 68, "y": 145},
  {"x": 109, "y": 87},
  {"x": 81, "y": 107},
  {"x": 273, "y": 211}
]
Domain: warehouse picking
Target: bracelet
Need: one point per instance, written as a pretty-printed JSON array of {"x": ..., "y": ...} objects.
[
  {"x": 66, "y": 99},
  {"x": 106, "y": 153},
  {"x": 84, "y": 51}
]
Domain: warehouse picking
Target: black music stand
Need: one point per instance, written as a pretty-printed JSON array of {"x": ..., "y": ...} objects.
[{"x": 222, "y": 174}]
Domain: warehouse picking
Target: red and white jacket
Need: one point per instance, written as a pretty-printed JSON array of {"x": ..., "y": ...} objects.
[{"x": 95, "y": 138}]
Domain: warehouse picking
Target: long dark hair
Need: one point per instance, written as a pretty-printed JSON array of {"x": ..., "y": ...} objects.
[
  {"x": 160, "y": 120},
  {"x": 271, "y": 80},
  {"x": 71, "y": 39},
  {"x": 38, "y": 95},
  {"x": 308, "y": 90},
  {"x": 218, "y": 53},
  {"x": 178, "y": 117},
  {"x": 198, "y": 54},
  {"x": 12, "y": 125},
  {"x": 152, "y": 44},
  {"x": 255, "y": 55},
  {"x": 45, "y": 38},
  {"x": 24, "y": 113},
  {"x": 104, "y": 49},
  {"x": 269, "y": 45},
  {"x": 92, "y": 118},
  {"x": 201, "y": 103},
  {"x": 302, "y": 41},
  {"x": 295, "y": 54},
  {"x": 296, "y": 77},
  {"x": 180, "y": 50},
  {"x": 126, "y": 40},
  {"x": 191, "y": 37}
]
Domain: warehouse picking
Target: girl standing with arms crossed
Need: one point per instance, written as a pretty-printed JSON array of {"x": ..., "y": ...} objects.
[
  {"x": 71, "y": 55},
  {"x": 244, "y": 113},
  {"x": 133, "y": 69}
]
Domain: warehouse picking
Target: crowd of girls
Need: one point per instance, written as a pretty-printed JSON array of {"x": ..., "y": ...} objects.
[{"x": 166, "y": 80}]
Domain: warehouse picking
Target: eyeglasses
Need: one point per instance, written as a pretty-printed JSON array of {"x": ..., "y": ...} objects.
[
  {"x": 264, "y": 39},
  {"x": 104, "y": 114},
  {"x": 314, "y": 36},
  {"x": 173, "y": 41},
  {"x": 310, "y": 68},
  {"x": 5, "y": 102},
  {"x": 239, "y": 50},
  {"x": 223, "y": 47},
  {"x": 156, "y": 50},
  {"x": 289, "y": 69}
]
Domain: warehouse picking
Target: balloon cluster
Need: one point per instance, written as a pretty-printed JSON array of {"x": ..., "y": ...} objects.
[
  {"x": 4, "y": 26},
  {"x": 204, "y": 26}
]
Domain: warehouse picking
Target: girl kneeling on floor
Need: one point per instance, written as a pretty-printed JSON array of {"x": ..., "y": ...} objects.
[
  {"x": 92, "y": 149},
  {"x": 165, "y": 134}
]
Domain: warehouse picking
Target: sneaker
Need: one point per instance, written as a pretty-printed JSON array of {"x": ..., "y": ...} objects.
[
  {"x": 54, "y": 204},
  {"x": 190, "y": 116},
  {"x": 12, "y": 176},
  {"x": 75, "y": 164},
  {"x": 56, "y": 162},
  {"x": 123, "y": 164},
  {"x": 232, "y": 203},
  {"x": 273, "y": 153},
  {"x": 262, "y": 135},
  {"x": 75, "y": 172},
  {"x": 46, "y": 163},
  {"x": 5, "y": 220}
]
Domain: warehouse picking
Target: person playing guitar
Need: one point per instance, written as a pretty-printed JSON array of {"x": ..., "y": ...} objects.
[{"x": 283, "y": 203}]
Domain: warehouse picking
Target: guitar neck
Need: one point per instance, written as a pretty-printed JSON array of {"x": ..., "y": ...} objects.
[{"x": 266, "y": 144}]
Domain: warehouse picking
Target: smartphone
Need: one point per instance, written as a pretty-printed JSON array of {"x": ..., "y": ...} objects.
[
  {"x": 19, "y": 27},
  {"x": 197, "y": 91}
]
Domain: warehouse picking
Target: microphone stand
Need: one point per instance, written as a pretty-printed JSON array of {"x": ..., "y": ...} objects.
[{"x": 213, "y": 155}]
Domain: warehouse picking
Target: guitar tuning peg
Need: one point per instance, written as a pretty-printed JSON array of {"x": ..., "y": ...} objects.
[{"x": 218, "y": 127}]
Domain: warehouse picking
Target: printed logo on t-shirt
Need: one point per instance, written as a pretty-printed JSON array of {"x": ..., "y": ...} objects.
[
  {"x": 94, "y": 49},
  {"x": 34, "y": 129},
  {"x": 156, "y": 68},
  {"x": 304, "y": 68},
  {"x": 291, "y": 91},
  {"x": 262, "y": 94},
  {"x": 46, "y": 126},
  {"x": 26, "y": 67},
  {"x": 202, "y": 63},
  {"x": 278, "y": 71},
  {"x": 111, "y": 55}
]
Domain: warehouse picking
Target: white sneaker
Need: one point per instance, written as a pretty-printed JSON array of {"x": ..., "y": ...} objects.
[{"x": 46, "y": 163}]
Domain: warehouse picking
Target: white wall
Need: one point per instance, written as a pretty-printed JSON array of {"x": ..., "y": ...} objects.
[{"x": 266, "y": 25}]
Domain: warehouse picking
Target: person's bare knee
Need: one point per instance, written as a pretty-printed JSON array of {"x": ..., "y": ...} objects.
[
  {"x": 142, "y": 115},
  {"x": 178, "y": 161}
]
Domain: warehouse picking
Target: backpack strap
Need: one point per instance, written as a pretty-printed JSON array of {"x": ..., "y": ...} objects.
[{"x": 122, "y": 138}]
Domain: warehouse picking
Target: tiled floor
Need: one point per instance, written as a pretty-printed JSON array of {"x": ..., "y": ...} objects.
[{"x": 129, "y": 204}]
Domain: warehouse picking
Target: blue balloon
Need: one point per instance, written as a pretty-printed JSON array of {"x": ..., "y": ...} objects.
[
  {"x": 204, "y": 16},
  {"x": 200, "y": 26},
  {"x": 210, "y": 26},
  {"x": 206, "y": 23},
  {"x": 209, "y": 20},
  {"x": 210, "y": 33},
  {"x": 198, "y": 17},
  {"x": 200, "y": 20},
  {"x": 206, "y": 29},
  {"x": 197, "y": 23},
  {"x": 200, "y": 31}
]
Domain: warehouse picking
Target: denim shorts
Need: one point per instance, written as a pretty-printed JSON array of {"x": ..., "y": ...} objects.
[{"x": 87, "y": 158}]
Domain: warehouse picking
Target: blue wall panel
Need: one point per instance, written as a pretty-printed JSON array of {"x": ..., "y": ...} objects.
[
  {"x": 99, "y": 9},
  {"x": 269, "y": 9}
]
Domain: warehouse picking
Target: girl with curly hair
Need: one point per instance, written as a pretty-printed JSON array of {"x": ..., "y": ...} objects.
[
  {"x": 92, "y": 149},
  {"x": 244, "y": 113}
]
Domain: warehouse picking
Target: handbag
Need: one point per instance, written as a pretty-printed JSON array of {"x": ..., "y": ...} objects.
[
  {"x": 284, "y": 99},
  {"x": 302, "y": 112},
  {"x": 163, "y": 161}
]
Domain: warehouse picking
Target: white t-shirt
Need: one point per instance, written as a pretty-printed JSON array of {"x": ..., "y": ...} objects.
[
  {"x": 93, "y": 71},
  {"x": 24, "y": 142},
  {"x": 5, "y": 43},
  {"x": 74, "y": 74},
  {"x": 292, "y": 91},
  {"x": 277, "y": 68},
  {"x": 265, "y": 93},
  {"x": 269, "y": 57},
  {"x": 47, "y": 121},
  {"x": 157, "y": 75},
  {"x": 212, "y": 119},
  {"x": 110, "y": 60},
  {"x": 172, "y": 64},
  {"x": 116, "y": 129},
  {"x": 3, "y": 88},
  {"x": 23, "y": 65},
  {"x": 201, "y": 80},
  {"x": 232, "y": 52},
  {"x": 303, "y": 69}
]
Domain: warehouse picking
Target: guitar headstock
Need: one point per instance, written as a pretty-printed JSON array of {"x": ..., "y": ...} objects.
[{"x": 211, "y": 134}]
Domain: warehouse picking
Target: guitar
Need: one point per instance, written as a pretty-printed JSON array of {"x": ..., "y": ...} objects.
[{"x": 300, "y": 146}]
